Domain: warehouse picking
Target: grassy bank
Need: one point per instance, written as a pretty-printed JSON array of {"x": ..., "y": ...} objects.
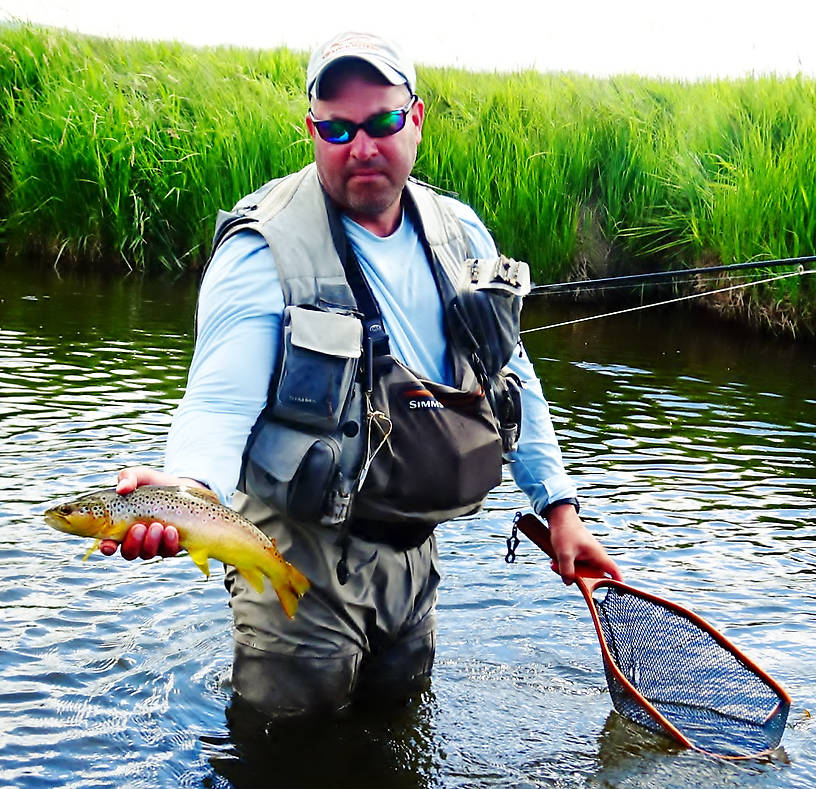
[{"x": 114, "y": 151}]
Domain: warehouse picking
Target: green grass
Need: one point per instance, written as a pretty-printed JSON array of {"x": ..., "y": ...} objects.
[{"x": 117, "y": 151}]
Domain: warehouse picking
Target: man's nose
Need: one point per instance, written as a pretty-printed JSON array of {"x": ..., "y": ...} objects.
[{"x": 362, "y": 146}]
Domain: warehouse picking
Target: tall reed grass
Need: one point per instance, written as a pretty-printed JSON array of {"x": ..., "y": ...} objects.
[{"x": 113, "y": 150}]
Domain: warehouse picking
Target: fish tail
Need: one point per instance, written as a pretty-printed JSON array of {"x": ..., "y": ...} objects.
[
  {"x": 290, "y": 585},
  {"x": 300, "y": 583},
  {"x": 288, "y": 599}
]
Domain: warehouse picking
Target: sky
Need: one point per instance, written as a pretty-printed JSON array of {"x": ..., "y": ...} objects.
[{"x": 692, "y": 39}]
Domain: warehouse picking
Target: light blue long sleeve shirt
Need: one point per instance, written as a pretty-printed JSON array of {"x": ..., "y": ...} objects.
[{"x": 239, "y": 323}]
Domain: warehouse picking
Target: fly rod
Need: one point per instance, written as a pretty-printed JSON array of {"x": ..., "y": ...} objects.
[{"x": 657, "y": 276}]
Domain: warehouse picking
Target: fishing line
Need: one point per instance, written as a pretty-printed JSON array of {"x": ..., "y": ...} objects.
[
  {"x": 798, "y": 273},
  {"x": 629, "y": 287}
]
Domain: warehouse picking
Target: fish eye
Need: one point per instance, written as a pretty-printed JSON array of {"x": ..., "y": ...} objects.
[{"x": 65, "y": 509}]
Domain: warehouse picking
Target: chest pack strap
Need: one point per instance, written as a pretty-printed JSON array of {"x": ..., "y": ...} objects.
[{"x": 375, "y": 338}]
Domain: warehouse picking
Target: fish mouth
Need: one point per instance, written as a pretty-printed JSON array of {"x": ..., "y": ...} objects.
[{"x": 57, "y": 521}]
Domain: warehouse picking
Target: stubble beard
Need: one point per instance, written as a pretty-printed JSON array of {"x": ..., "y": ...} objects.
[{"x": 370, "y": 201}]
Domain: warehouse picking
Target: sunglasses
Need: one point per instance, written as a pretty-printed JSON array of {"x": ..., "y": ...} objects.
[{"x": 383, "y": 124}]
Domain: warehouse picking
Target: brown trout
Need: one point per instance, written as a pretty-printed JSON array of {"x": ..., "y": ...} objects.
[{"x": 207, "y": 530}]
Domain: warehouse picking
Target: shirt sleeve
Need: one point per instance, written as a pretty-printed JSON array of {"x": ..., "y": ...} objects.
[
  {"x": 239, "y": 319},
  {"x": 537, "y": 465}
]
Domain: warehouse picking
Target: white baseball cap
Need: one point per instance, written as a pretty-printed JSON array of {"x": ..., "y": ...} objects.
[{"x": 384, "y": 55}]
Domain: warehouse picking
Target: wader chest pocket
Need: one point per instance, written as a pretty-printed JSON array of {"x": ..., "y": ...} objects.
[{"x": 321, "y": 353}]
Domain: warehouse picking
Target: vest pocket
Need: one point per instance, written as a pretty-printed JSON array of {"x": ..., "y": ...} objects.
[
  {"x": 290, "y": 470},
  {"x": 320, "y": 356}
]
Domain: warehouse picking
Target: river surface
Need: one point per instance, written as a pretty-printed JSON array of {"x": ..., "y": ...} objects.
[{"x": 692, "y": 443}]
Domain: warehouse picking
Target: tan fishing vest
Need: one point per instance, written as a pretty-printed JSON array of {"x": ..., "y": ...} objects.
[{"x": 436, "y": 449}]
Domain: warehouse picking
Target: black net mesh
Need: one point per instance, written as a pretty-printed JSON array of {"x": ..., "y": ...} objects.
[{"x": 717, "y": 702}]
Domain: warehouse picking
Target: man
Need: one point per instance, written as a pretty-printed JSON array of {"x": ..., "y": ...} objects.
[{"x": 347, "y": 236}]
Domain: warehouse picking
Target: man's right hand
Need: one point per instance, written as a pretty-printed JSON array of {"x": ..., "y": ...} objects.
[{"x": 144, "y": 540}]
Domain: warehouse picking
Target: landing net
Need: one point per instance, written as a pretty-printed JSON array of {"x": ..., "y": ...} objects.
[{"x": 717, "y": 702}]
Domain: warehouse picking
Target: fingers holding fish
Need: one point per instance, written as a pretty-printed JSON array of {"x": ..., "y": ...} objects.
[
  {"x": 169, "y": 543},
  {"x": 108, "y": 547},
  {"x": 156, "y": 540},
  {"x": 142, "y": 540},
  {"x": 130, "y": 478},
  {"x": 145, "y": 541}
]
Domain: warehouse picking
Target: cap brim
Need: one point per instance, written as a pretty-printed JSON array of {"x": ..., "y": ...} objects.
[{"x": 393, "y": 76}]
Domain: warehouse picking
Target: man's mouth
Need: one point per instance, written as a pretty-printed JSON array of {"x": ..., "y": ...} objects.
[{"x": 366, "y": 175}]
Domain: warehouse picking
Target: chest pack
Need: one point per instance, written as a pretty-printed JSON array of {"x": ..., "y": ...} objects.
[{"x": 350, "y": 437}]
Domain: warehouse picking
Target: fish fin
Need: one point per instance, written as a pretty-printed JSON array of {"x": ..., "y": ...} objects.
[
  {"x": 253, "y": 577},
  {"x": 201, "y": 559},
  {"x": 201, "y": 493},
  {"x": 91, "y": 549}
]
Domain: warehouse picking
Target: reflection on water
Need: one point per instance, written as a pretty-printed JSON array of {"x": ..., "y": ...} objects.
[
  {"x": 392, "y": 746},
  {"x": 693, "y": 447}
]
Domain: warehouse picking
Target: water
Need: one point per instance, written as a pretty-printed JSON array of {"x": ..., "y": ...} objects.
[{"x": 693, "y": 446}]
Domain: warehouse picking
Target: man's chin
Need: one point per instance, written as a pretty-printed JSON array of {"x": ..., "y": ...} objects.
[{"x": 370, "y": 202}]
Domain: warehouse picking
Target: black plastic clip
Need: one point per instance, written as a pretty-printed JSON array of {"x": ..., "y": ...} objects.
[
  {"x": 513, "y": 541},
  {"x": 342, "y": 568}
]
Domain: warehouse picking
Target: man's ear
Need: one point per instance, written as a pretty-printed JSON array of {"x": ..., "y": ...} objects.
[
  {"x": 417, "y": 117},
  {"x": 310, "y": 126}
]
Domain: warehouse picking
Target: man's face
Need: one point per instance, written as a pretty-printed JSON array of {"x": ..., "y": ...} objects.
[{"x": 366, "y": 176}]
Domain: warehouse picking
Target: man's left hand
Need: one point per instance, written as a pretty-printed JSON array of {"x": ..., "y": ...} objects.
[{"x": 573, "y": 543}]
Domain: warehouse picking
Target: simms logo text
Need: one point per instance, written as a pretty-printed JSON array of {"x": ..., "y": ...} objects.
[{"x": 418, "y": 399}]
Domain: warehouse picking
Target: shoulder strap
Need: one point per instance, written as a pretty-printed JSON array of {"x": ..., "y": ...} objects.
[
  {"x": 375, "y": 338},
  {"x": 442, "y": 231},
  {"x": 290, "y": 214}
]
